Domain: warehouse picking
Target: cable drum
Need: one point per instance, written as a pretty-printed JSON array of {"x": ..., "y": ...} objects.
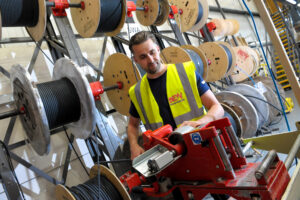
[
  {"x": 92, "y": 190},
  {"x": 163, "y": 12},
  {"x": 19, "y": 12},
  {"x": 200, "y": 13},
  {"x": 29, "y": 13},
  {"x": 157, "y": 12},
  {"x": 61, "y": 102},
  {"x": 99, "y": 16},
  {"x": 103, "y": 184},
  {"x": 111, "y": 15},
  {"x": 196, "y": 60},
  {"x": 229, "y": 55},
  {"x": 67, "y": 100}
]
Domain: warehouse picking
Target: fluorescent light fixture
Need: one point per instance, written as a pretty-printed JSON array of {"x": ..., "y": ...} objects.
[{"x": 292, "y": 1}]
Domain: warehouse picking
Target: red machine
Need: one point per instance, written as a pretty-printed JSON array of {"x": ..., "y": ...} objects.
[{"x": 202, "y": 161}]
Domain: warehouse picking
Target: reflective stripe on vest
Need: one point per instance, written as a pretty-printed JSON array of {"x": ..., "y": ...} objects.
[
  {"x": 182, "y": 93},
  {"x": 148, "y": 125},
  {"x": 195, "y": 111}
]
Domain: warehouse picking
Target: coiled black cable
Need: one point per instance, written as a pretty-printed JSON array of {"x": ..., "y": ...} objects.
[
  {"x": 61, "y": 102},
  {"x": 19, "y": 12},
  {"x": 110, "y": 15},
  {"x": 92, "y": 190}
]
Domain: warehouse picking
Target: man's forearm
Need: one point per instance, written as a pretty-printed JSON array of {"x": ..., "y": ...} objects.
[
  {"x": 132, "y": 133},
  {"x": 215, "y": 112}
]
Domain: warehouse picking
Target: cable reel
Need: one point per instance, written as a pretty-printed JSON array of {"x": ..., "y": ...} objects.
[
  {"x": 119, "y": 68},
  {"x": 28, "y": 13},
  {"x": 192, "y": 14},
  {"x": 225, "y": 27},
  {"x": 110, "y": 187},
  {"x": 221, "y": 59},
  {"x": 172, "y": 55},
  {"x": 99, "y": 16},
  {"x": 156, "y": 12},
  {"x": 244, "y": 109},
  {"x": 256, "y": 98},
  {"x": 67, "y": 100},
  {"x": 247, "y": 62}
]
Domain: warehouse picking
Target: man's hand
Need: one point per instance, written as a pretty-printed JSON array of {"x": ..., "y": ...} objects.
[
  {"x": 136, "y": 150},
  {"x": 194, "y": 124}
]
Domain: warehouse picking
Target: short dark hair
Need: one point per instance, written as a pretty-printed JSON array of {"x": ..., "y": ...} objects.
[{"x": 139, "y": 38}]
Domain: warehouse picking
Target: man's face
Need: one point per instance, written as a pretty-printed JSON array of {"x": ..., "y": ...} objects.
[{"x": 146, "y": 55}]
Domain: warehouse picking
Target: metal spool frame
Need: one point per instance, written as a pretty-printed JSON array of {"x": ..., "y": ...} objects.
[
  {"x": 244, "y": 109},
  {"x": 254, "y": 95}
]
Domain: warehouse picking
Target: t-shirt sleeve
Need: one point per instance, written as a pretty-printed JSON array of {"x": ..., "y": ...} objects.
[
  {"x": 133, "y": 111},
  {"x": 201, "y": 84}
]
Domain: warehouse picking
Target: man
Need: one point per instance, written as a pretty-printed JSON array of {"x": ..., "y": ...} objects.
[{"x": 167, "y": 94}]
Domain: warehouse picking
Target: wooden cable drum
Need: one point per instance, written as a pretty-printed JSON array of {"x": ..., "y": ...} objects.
[
  {"x": 221, "y": 27},
  {"x": 173, "y": 55},
  {"x": 119, "y": 68},
  {"x": 245, "y": 63},
  {"x": 256, "y": 59},
  {"x": 101, "y": 16},
  {"x": 243, "y": 108},
  {"x": 231, "y": 55},
  {"x": 218, "y": 59},
  {"x": 198, "y": 58},
  {"x": 234, "y": 26},
  {"x": 192, "y": 14},
  {"x": 28, "y": 13},
  {"x": 202, "y": 4},
  {"x": 157, "y": 13},
  {"x": 225, "y": 27},
  {"x": 103, "y": 184}
]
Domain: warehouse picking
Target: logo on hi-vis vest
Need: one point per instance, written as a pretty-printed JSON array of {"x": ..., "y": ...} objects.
[{"x": 176, "y": 98}]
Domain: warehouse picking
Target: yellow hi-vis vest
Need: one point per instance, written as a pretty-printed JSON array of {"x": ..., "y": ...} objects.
[{"x": 182, "y": 93}]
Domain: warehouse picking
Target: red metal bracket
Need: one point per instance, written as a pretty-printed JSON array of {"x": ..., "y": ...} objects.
[
  {"x": 97, "y": 89},
  {"x": 211, "y": 26},
  {"x": 174, "y": 10},
  {"x": 60, "y": 6},
  {"x": 132, "y": 7}
]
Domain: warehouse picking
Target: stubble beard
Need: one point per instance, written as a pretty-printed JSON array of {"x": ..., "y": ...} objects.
[{"x": 156, "y": 69}]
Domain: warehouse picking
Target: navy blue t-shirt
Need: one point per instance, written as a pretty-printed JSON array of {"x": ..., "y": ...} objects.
[{"x": 159, "y": 90}]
